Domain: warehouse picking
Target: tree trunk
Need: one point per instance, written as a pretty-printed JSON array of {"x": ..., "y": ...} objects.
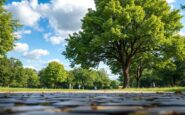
[
  {"x": 174, "y": 81},
  {"x": 126, "y": 82},
  {"x": 138, "y": 82},
  {"x": 126, "y": 79}
]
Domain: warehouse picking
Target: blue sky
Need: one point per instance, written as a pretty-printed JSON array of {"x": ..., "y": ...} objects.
[{"x": 46, "y": 25}]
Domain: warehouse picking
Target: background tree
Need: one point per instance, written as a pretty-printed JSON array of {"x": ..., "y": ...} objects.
[
  {"x": 117, "y": 31},
  {"x": 141, "y": 62},
  {"x": 32, "y": 78},
  {"x": 70, "y": 80},
  {"x": 7, "y": 28},
  {"x": 5, "y": 77},
  {"x": 53, "y": 75},
  {"x": 90, "y": 79},
  {"x": 82, "y": 78},
  {"x": 114, "y": 84},
  {"x": 102, "y": 80},
  {"x": 172, "y": 69},
  {"x": 12, "y": 74}
]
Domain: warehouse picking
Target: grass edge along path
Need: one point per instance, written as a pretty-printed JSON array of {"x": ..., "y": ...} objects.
[{"x": 129, "y": 90}]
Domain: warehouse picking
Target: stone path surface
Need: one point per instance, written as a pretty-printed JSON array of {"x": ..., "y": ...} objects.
[{"x": 92, "y": 104}]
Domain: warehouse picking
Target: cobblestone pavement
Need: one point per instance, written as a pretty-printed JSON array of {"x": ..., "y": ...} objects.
[{"x": 92, "y": 104}]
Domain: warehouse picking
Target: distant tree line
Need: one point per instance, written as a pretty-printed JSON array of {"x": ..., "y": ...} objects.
[
  {"x": 160, "y": 74},
  {"x": 13, "y": 74}
]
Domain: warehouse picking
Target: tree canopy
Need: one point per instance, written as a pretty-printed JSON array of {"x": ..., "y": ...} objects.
[
  {"x": 7, "y": 27},
  {"x": 53, "y": 74},
  {"x": 13, "y": 74},
  {"x": 119, "y": 30}
]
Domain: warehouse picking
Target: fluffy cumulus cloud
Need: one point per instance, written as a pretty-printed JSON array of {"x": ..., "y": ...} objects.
[
  {"x": 19, "y": 34},
  {"x": 21, "y": 47},
  {"x": 64, "y": 16},
  {"x": 25, "y": 12},
  {"x": 56, "y": 39},
  {"x": 35, "y": 54}
]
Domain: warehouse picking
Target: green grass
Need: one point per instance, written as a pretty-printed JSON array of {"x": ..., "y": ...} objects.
[
  {"x": 7, "y": 89},
  {"x": 170, "y": 89},
  {"x": 165, "y": 89}
]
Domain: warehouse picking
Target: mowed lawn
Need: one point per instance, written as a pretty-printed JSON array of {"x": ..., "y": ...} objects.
[{"x": 129, "y": 90}]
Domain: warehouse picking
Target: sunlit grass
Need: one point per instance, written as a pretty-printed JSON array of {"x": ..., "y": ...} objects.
[
  {"x": 7, "y": 89},
  {"x": 165, "y": 89},
  {"x": 169, "y": 89}
]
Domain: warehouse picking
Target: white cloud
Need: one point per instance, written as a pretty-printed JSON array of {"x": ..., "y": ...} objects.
[
  {"x": 170, "y": 1},
  {"x": 64, "y": 16},
  {"x": 36, "y": 54},
  {"x": 19, "y": 34},
  {"x": 25, "y": 12},
  {"x": 56, "y": 39},
  {"x": 21, "y": 47}
]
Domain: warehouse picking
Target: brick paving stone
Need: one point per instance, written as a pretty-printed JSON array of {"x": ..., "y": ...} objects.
[
  {"x": 162, "y": 111},
  {"x": 92, "y": 103},
  {"x": 69, "y": 104},
  {"x": 111, "y": 110}
]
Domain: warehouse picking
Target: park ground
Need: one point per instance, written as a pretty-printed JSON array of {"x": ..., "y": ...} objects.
[{"x": 128, "y": 90}]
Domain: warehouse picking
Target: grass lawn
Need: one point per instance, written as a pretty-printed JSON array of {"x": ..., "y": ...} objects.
[{"x": 170, "y": 89}]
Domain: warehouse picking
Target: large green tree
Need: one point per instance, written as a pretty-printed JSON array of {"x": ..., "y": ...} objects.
[
  {"x": 53, "y": 75},
  {"x": 7, "y": 27},
  {"x": 119, "y": 30}
]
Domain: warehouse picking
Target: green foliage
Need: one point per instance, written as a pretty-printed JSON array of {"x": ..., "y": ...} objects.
[
  {"x": 7, "y": 28},
  {"x": 114, "y": 84},
  {"x": 32, "y": 78},
  {"x": 101, "y": 79},
  {"x": 12, "y": 74},
  {"x": 117, "y": 31},
  {"x": 5, "y": 77},
  {"x": 82, "y": 77},
  {"x": 88, "y": 79},
  {"x": 53, "y": 75},
  {"x": 10, "y": 71}
]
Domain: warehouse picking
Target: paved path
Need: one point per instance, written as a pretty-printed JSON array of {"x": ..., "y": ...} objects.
[{"x": 92, "y": 104}]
